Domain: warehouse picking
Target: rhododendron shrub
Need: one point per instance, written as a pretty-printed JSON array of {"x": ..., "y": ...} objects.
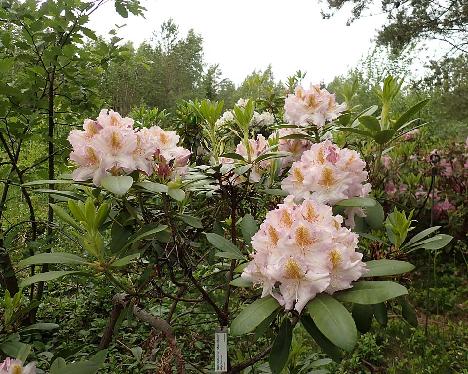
[{"x": 266, "y": 225}]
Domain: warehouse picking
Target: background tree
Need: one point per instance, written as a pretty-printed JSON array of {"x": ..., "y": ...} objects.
[
  {"x": 410, "y": 21},
  {"x": 158, "y": 73},
  {"x": 50, "y": 64}
]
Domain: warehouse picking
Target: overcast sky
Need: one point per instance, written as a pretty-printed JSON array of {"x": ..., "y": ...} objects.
[{"x": 244, "y": 35}]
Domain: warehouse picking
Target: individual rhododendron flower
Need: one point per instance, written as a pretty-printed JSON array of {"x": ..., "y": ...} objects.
[
  {"x": 11, "y": 366},
  {"x": 249, "y": 151},
  {"x": 110, "y": 145},
  {"x": 116, "y": 145},
  {"x": 242, "y": 103},
  {"x": 296, "y": 147},
  {"x": 315, "y": 106},
  {"x": 328, "y": 174},
  {"x": 301, "y": 251}
]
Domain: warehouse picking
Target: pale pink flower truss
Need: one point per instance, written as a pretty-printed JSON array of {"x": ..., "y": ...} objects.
[
  {"x": 110, "y": 145},
  {"x": 328, "y": 174},
  {"x": 301, "y": 251},
  {"x": 315, "y": 106},
  {"x": 11, "y": 366}
]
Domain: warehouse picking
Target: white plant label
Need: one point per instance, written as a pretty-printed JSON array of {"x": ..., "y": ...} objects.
[{"x": 221, "y": 351}]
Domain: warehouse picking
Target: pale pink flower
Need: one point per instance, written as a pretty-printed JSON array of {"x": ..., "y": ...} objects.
[
  {"x": 295, "y": 183},
  {"x": 143, "y": 154},
  {"x": 164, "y": 140},
  {"x": 328, "y": 174},
  {"x": 315, "y": 106},
  {"x": 346, "y": 266},
  {"x": 12, "y": 366},
  {"x": 250, "y": 151},
  {"x": 80, "y": 139},
  {"x": 91, "y": 165},
  {"x": 117, "y": 145},
  {"x": 299, "y": 250}
]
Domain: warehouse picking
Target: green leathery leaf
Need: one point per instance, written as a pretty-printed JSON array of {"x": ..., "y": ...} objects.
[
  {"x": 252, "y": 315},
  {"x": 281, "y": 346},
  {"x": 362, "y": 315},
  {"x": 379, "y": 268},
  {"x": 47, "y": 276},
  {"x": 52, "y": 258},
  {"x": 327, "y": 346},
  {"x": 371, "y": 292},
  {"x": 221, "y": 243},
  {"x": 334, "y": 321},
  {"x": 380, "y": 313}
]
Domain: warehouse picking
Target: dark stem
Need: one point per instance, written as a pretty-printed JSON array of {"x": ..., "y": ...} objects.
[
  {"x": 110, "y": 328},
  {"x": 159, "y": 325},
  {"x": 244, "y": 365},
  {"x": 8, "y": 278},
  {"x": 51, "y": 171}
]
